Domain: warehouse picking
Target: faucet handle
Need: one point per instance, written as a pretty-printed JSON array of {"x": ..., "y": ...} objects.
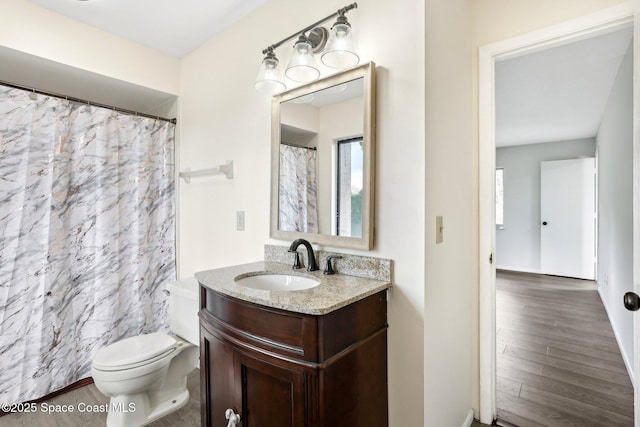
[
  {"x": 296, "y": 261},
  {"x": 329, "y": 268}
]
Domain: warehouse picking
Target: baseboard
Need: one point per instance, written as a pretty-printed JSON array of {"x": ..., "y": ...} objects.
[
  {"x": 502, "y": 423},
  {"x": 518, "y": 269},
  {"x": 625, "y": 358},
  {"x": 469, "y": 419}
]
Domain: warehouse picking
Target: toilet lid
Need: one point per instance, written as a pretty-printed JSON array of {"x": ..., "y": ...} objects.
[{"x": 134, "y": 351}]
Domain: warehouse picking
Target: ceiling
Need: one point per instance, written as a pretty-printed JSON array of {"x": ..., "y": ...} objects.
[
  {"x": 557, "y": 94},
  {"x": 170, "y": 26}
]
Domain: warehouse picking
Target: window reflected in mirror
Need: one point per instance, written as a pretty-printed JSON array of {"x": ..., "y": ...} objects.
[{"x": 349, "y": 185}]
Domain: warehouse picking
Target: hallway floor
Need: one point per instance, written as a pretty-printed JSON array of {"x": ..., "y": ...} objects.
[{"x": 558, "y": 362}]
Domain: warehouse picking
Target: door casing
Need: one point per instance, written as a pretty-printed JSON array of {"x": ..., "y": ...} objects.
[{"x": 604, "y": 21}]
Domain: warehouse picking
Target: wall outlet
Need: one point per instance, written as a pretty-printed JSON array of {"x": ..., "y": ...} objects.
[{"x": 240, "y": 220}]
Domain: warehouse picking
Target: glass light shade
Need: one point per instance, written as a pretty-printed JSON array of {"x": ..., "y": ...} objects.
[
  {"x": 339, "y": 52},
  {"x": 270, "y": 79},
  {"x": 302, "y": 66}
]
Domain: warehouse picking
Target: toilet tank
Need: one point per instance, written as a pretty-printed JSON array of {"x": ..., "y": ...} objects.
[{"x": 183, "y": 309}]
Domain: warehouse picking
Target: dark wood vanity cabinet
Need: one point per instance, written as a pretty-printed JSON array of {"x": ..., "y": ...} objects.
[{"x": 278, "y": 368}]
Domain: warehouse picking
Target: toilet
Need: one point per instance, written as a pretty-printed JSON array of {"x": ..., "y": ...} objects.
[{"x": 146, "y": 376}]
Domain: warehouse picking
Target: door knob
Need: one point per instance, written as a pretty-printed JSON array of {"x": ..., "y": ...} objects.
[
  {"x": 233, "y": 418},
  {"x": 544, "y": 222},
  {"x": 631, "y": 301}
]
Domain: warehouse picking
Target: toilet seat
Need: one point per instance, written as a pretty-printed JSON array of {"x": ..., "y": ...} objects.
[
  {"x": 149, "y": 372},
  {"x": 135, "y": 351}
]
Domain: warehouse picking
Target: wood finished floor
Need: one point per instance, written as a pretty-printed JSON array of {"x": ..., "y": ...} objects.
[
  {"x": 187, "y": 416},
  {"x": 558, "y": 363}
]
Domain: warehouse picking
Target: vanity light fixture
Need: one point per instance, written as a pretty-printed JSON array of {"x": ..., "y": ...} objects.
[
  {"x": 302, "y": 67},
  {"x": 340, "y": 52},
  {"x": 269, "y": 78}
]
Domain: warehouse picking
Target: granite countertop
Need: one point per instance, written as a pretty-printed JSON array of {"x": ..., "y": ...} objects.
[{"x": 333, "y": 292}]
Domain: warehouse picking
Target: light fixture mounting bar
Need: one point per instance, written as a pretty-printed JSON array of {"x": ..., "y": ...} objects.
[{"x": 312, "y": 26}]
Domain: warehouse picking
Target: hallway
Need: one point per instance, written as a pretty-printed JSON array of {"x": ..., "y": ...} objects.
[{"x": 558, "y": 362}]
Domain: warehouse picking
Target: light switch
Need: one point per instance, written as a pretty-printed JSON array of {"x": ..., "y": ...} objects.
[
  {"x": 439, "y": 230},
  {"x": 240, "y": 220}
]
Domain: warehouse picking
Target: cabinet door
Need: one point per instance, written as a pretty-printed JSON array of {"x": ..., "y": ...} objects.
[
  {"x": 263, "y": 393},
  {"x": 271, "y": 395},
  {"x": 217, "y": 380}
]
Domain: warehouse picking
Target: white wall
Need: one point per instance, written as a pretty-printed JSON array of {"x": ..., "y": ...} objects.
[
  {"x": 301, "y": 116},
  {"x": 449, "y": 321},
  {"x": 223, "y": 117},
  {"x": 518, "y": 244},
  {"x": 615, "y": 206}
]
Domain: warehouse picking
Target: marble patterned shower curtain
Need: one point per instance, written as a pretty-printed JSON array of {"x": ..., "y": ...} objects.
[
  {"x": 87, "y": 245},
  {"x": 298, "y": 189}
]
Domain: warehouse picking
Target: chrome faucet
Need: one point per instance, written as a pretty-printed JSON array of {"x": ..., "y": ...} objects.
[{"x": 313, "y": 266}]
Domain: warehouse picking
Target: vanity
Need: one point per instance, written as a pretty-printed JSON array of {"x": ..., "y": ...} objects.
[
  {"x": 283, "y": 347},
  {"x": 311, "y": 357}
]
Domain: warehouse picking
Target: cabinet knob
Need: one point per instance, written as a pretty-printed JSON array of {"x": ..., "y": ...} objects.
[{"x": 233, "y": 418}]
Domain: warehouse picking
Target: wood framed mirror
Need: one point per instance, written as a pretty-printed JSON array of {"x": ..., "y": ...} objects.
[{"x": 323, "y": 161}]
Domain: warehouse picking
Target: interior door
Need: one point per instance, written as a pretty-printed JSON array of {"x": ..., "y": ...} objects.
[
  {"x": 567, "y": 218},
  {"x": 636, "y": 211}
]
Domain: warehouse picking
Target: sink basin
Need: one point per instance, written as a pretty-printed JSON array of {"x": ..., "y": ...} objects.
[{"x": 277, "y": 282}]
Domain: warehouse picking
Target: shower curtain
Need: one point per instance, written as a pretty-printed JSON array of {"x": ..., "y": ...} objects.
[
  {"x": 86, "y": 236},
  {"x": 298, "y": 189}
]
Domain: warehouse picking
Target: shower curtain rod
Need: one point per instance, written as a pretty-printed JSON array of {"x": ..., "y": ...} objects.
[
  {"x": 84, "y": 101},
  {"x": 298, "y": 146}
]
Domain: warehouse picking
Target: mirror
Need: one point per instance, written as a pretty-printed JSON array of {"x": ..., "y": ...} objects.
[{"x": 322, "y": 160}]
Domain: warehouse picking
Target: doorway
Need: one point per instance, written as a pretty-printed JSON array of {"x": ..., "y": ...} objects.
[
  {"x": 558, "y": 362},
  {"x": 598, "y": 24}
]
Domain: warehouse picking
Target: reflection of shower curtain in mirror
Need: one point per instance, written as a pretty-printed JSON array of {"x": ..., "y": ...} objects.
[{"x": 298, "y": 189}]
